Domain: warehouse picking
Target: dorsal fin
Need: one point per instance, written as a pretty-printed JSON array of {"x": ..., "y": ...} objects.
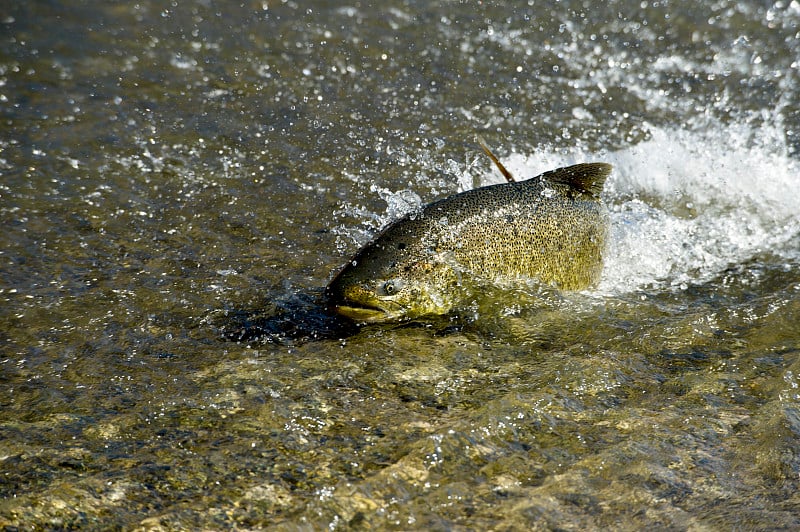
[
  {"x": 588, "y": 178},
  {"x": 495, "y": 160}
]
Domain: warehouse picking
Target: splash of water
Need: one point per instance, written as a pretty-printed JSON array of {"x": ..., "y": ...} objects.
[{"x": 686, "y": 204}]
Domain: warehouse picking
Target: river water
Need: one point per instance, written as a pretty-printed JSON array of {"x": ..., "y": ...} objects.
[{"x": 181, "y": 179}]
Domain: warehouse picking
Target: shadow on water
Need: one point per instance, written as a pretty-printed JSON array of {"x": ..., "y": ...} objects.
[
  {"x": 302, "y": 317},
  {"x": 295, "y": 318}
]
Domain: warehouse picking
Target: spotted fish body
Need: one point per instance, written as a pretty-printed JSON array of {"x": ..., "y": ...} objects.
[{"x": 551, "y": 228}]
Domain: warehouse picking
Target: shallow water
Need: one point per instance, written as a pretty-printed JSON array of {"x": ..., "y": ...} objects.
[{"x": 180, "y": 180}]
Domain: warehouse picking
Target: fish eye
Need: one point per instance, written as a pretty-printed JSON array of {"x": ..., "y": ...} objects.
[{"x": 392, "y": 286}]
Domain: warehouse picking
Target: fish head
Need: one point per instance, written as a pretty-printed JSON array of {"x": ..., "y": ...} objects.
[{"x": 376, "y": 288}]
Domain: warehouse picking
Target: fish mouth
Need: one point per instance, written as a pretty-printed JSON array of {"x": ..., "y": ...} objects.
[
  {"x": 367, "y": 314},
  {"x": 364, "y": 313},
  {"x": 361, "y": 305},
  {"x": 361, "y": 314}
]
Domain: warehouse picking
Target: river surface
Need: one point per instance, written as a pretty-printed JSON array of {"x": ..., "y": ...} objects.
[{"x": 179, "y": 180}]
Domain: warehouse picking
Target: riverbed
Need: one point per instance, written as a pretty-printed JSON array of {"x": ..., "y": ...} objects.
[{"x": 180, "y": 180}]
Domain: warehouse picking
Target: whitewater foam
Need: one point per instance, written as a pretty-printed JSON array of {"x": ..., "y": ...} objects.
[{"x": 686, "y": 204}]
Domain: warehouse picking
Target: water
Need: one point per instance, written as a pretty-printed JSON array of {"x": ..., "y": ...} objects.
[{"x": 178, "y": 174}]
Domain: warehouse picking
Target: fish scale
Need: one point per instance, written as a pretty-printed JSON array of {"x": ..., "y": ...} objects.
[{"x": 551, "y": 228}]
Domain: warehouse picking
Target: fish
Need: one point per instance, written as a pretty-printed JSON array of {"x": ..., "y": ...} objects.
[{"x": 551, "y": 229}]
